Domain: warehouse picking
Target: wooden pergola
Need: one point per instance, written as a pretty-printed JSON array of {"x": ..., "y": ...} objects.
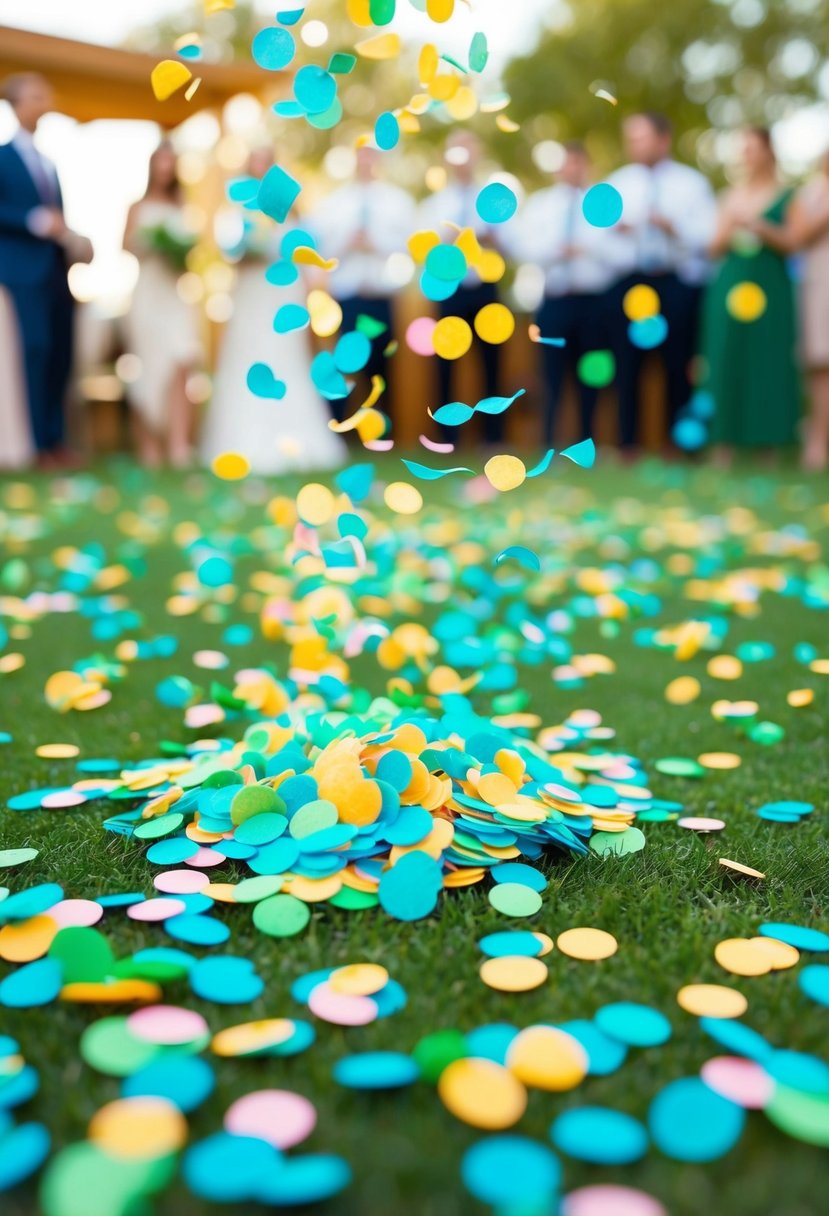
[{"x": 104, "y": 82}]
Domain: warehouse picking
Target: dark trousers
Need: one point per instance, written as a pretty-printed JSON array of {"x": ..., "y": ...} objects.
[
  {"x": 45, "y": 313},
  {"x": 581, "y": 321},
  {"x": 379, "y": 309},
  {"x": 466, "y": 303},
  {"x": 680, "y": 305}
]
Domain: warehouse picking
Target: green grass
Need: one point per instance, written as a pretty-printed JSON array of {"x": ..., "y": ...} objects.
[{"x": 668, "y": 906}]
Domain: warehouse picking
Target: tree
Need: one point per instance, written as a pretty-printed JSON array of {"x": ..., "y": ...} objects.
[{"x": 709, "y": 64}]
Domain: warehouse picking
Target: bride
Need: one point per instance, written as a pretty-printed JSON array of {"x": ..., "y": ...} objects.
[{"x": 287, "y": 430}]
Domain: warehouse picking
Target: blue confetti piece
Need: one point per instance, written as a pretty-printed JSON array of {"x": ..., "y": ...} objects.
[
  {"x": 376, "y": 1070},
  {"x": 226, "y": 980},
  {"x": 37, "y": 983},
  {"x": 229, "y": 1169},
  {"x": 314, "y": 89},
  {"x": 242, "y": 189},
  {"x": 273, "y": 49},
  {"x": 291, "y": 317},
  {"x": 355, "y": 481},
  {"x": 424, "y": 473},
  {"x": 446, "y": 262},
  {"x": 436, "y": 289},
  {"x": 583, "y": 454},
  {"x": 496, "y": 203},
  {"x": 521, "y": 555},
  {"x": 648, "y": 332},
  {"x": 478, "y": 52},
  {"x": 290, "y": 16},
  {"x": 493, "y": 1041},
  {"x": 689, "y": 433},
  {"x": 814, "y": 981},
  {"x": 604, "y": 1055},
  {"x": 543, "y": 464},
  {"x": 186, "y": 1081},
  {"x": 602, "y": 205},
  {"x": 634, "y": 1025},
  {"x": 23, "y": 1150},
  {"x": 506, "y": 941},
  {"x": 512, "y": 1173},
  {"x": 197, "y": 930},
  {"x": 311, "y": 1178},
  {"x": 282, "y": 274},
  {"x": 263, "y": 383},
  {"x": 497, "y": 405},
  {"x": 455, "y": 413},
  {"x": 410, "y": 889},
  {"x": 690, "y": 1122},
  {"x": 278, "y": 192},
  {"x": 599, "y": 1135},
  {"x": 352, "y": 352},
  {"x": 798, "y": 936},
  {"x": 327, "y": 379},
  {"x": 387, "y": 132}
]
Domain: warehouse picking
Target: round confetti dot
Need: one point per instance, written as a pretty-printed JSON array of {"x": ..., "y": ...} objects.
[
  {"x": 341, "y": 1008},
  {"x": 587, "y": 944},
  {"x": 814, "y": 981},
  {"x": 310, "y": 1178},
  {"x": 420, "y": 335},
  {"x": 742, "y": 1081},
  {"x": 515, "y": 899},
  {"x": 156, "y": 909},
  {"x": 602, "y": 205},
  {"x": 359, "y": 979},
  {"x": 546, "y": 1058},
  {"x": 281, "y": 1118},
  {"x": 741, "y": 956},
  {"x": 28, "y": 939},
  {"x": 252, "y": 1038},
  {"x": 496, "y": 203},
  {"x": 180, "y": 882},
  {"x": 736, "y": 1038},
  {"x": 505, "y": 472},
  {"x": 513, "y": 973},
  {"x": 711, "y": 1001},
  {"x": 608, "y": 1199},
  {"x": 521, "y": 941},
  {"x": 600, "y": 1136},
  {"x": 799, "y": 936},
  {"x": 596, "y": 368},
  {"x": 186, "y": 1081},
  {"x": 746, "y": 301},
  {"x": 166, "y": 1025},
  {"x": 494, "y": 323},
  {"x": 511, "y": 1173},
  {"x": 635, "y": 1025},
  {"x": 640, "y": 302},
  {"x": 690, "y": 1122},
  {"x": 482, "y": 1094},
  {"x": 57, "y": 751},
  {"x": 802, "y": 1115},
  {"x": 700, "y": 823},
  {"x": 451, "y": 337},
  {"x": 315, "y": 504},
  {"x": 76, "y": 913},
  {"x": 231, "y": 466},
  {"x": 228, "y": 1169},
  {"x": 281, "y": 916},
  {"x": 376, "y": 1070},
  {"x": 23, "y": 1149},
  {"x": 683, "y": 690},
  {"x": 410, "y": 889},
  {"x": 143, "y": 1127},
  {"x": 402, "y": 498}
]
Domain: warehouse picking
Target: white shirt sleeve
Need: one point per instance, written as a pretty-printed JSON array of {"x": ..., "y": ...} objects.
[{"x": 695, "y": 218}]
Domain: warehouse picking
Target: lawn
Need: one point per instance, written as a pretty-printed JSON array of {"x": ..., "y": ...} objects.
[{"x": 652, "y": 530}]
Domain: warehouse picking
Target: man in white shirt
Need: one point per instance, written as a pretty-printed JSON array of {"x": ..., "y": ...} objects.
[
  {"x": 668, "y": 220},
  {"x": 363, "y": 224},
  {"x": 554, "y": 234},
  {"x": 455, "y": 203},
  {"x": 35, "y": 250}
]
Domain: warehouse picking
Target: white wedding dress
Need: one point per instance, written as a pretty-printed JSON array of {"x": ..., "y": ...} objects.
[{"x": 276, "y": 435}]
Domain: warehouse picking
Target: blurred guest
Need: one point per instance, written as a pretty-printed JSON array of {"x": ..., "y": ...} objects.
[
  {"x": 553, "y": 233},
  {"x": 748, "y": 330},
  {"x": 36, "y": 249},
  {"x": 362, "y": 224},
  {"x": 162, "y": 328},
  {"x": 807, "y": 232},
  {"x": 456, "y": 204},
  {"x": 16, "y": 443},
  {"x": 275, "y": 432},
  {"x": 661, "y": 241}
]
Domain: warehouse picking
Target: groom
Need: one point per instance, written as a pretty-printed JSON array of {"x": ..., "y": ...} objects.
[{"x": 35, "y": 251}]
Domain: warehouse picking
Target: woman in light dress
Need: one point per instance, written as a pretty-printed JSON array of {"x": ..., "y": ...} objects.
[
  {"x": 276, "y": 434},
  {"x": 162, "y": 329},
  {"x": 16, "y": 444}
]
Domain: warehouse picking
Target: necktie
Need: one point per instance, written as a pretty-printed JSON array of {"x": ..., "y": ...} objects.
[
  {"x": 652, "y": 252},
  {"x": 42, "y": 179},
  {"x": 571, "y": 216}
]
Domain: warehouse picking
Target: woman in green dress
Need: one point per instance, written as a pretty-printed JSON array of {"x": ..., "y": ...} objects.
[{"x": 748, "y": 323}]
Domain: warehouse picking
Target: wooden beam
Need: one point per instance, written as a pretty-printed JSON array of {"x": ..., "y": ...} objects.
[{"x": 106, "y": 82}]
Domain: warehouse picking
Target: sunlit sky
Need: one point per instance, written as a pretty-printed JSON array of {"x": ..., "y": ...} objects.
[{"x": 102, "y": 164}]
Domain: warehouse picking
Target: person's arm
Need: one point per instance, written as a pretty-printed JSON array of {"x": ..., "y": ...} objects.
[
  {"x": 801, "y": 229},
  {"x": 131, "y": 241},
  {"x": 695, "y": 224},
  {"x": 720, "y": 242}
]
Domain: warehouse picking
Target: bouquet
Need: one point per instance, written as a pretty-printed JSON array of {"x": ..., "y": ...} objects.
[{"x": 172, "y": 242}]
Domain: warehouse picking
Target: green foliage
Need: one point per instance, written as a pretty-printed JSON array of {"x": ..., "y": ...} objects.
[{"x": 706, "y": 63}]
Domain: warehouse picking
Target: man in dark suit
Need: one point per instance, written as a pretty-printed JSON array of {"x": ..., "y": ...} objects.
[{"x": 34, "y": 256}]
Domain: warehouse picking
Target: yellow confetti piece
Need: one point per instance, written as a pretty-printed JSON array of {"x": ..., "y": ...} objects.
[
  {"x": 451, "y": 337},
  {"x": 513, "y": 973},
  {"x": 116, "y": 992},
  {"x": 325, "y": 312},
  {"x": 463, "y": 103},
  {"x": 740, "y": 956},
  {"x": 781, "y": 955},
  {"x": 359, "y": 12},
  {"x": 546, "y": 1058},
  {"x": 482, "y": 1093},
  {"x": 683, "y": 690},
  {"x": 720, "y": 760},
  {"x": 11, "y": 662},
  {"x": 737, "y": 867},
  {"x": 491, "y": 266},
  {"x": 315, "y": 504},
  {"x": 403, "y": 498},
  {"x": 724, "y": 667},
  {"x": 420, "y": 243},
  {"x": 359, "y": 979},
  {"x": 249, "y": 1038},
  {"x": 231, "y": 466},
  {"x": 305, "y": 255},
  {"x": 428, "y": 62},
  {"x": 494, "y": 323},
  {"x": 138, "y": 1128},
  {"x": 711, "y": 1001},
  {"x": 23, "y": 941},
  {"x": 505, "y": 472},
  {"x": 820, "y": 667},
  {"x": 589, "y": 945},
  {"x": 444, "y": 86},
  {"x": 746, "y": 301},
  {"x": 382, "y": 46},
  {"x": 798, "y": 698},
  {"x": 57, "y": 751},
  {"x": 440, "y": 10},
  {"x": 168, "y": 77}
]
